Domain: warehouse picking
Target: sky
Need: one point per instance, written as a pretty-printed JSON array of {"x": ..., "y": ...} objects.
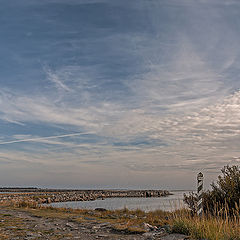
[{"x": 118, "y": 94}]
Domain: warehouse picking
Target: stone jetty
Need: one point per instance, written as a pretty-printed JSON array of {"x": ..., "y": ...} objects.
[{"x": 54, "y": 195}]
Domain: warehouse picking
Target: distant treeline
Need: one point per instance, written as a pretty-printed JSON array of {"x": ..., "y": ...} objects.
[{"x": 18, "y": 189}]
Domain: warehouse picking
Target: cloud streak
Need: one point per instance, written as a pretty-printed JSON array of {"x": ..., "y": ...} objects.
[
  {"x": 53, "y": 77},
  {"x": 44, "y": 138}
]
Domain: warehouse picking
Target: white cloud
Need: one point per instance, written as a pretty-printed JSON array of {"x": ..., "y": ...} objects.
[
  {"x": 174, "y": 104},
  {"x": 54, "y": 78},
  {"x": 23, "y": 109},
  {"x": 185, "y": 82}
]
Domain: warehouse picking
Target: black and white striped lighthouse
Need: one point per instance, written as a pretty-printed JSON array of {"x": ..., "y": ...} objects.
[{"x": 200, "y": 193}]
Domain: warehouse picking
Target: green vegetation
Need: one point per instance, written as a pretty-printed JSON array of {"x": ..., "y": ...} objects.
[
  {"x": 224, "y": 198},
  {"x": 221, "y": 205}
]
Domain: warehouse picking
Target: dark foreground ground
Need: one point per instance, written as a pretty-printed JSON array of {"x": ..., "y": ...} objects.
[{"x": 20, "y": 223}]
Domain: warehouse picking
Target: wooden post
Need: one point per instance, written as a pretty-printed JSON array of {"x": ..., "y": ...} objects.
[{"x": 200, "y": 193}]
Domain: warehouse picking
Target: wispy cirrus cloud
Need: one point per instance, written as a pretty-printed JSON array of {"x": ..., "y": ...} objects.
[
  {"x": 22, "y": 109},
  {"x": 54, "y": 78},
  {"x": 154, "y": 82}
]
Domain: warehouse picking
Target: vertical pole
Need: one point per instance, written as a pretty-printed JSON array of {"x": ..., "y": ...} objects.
[{"x": 200, "y": 193}]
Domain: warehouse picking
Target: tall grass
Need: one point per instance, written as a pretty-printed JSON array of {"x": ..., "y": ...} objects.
[
  {"x": 21, "y": 203},
  {"x": 218, "y": 227}
]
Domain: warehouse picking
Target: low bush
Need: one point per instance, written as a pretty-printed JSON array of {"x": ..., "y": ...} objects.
[{"x": 224, "y": 198}]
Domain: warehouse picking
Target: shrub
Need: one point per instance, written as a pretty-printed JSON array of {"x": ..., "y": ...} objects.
[
  {"x": 224, "y": 196},
  {"x": 180, "y": 226}
]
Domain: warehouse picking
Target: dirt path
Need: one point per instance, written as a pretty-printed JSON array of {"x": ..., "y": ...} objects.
[{"x": 16, "y": 224}]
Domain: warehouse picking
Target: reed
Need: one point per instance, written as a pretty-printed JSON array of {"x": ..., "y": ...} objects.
[{"x": 212, "y": 227}]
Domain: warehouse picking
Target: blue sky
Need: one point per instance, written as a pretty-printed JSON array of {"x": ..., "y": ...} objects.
[{"x": 112, "y": 94}]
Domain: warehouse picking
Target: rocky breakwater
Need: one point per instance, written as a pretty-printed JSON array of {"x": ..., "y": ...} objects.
[
  {"x": 100, "y": 194},
  {"x": 80, "y": 195}
]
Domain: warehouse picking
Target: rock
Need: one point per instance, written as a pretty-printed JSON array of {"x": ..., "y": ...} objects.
[
  {"x": 88, "y": 218},
  {"x": 148, "y": 236},
  {"x": 154, "y": 235},
  {"x": 175, "y": 236},
  {"x": 167, "y": 228},
  {"x": 148, "y": 227},
  {"x": 106, "y": 224},
  {"x": 112, "y": 216},
  {"x": 102, "y": 236},
  {"x": 71, "y": 226},
  {"x": 101, "y": 209}
]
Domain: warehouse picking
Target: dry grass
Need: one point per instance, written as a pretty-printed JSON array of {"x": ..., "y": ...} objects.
[
  {"x": 180, "y": 221},
  {"x": 26, "y": 202},
  {"x": 208, "y": 226}
]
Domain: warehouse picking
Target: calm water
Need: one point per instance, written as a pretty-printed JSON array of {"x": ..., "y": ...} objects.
[
  {"x": 168, "y": 203},
  {"x": 9, "y": 192}
]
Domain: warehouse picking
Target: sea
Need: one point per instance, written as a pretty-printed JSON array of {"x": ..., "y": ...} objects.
[{"x": 168, "y": 203}]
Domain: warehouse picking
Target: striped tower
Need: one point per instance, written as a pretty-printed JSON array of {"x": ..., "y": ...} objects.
[{"x": 199, "y": 193}]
